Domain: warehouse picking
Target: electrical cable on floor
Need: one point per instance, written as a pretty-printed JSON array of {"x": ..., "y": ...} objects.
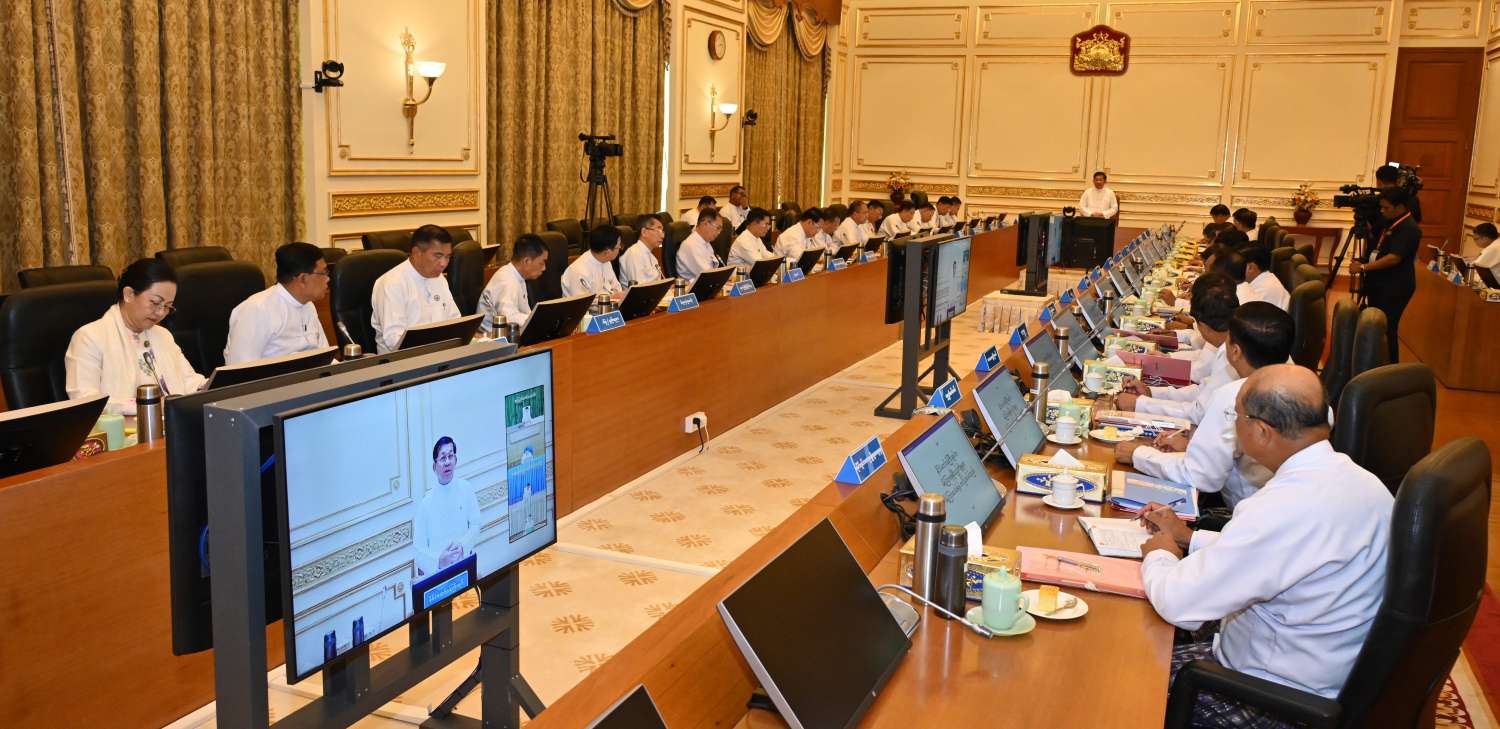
[{"x": 702, "y": 437}]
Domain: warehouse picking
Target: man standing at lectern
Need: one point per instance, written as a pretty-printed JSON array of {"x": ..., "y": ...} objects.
[{"x": 1099, "y": 201}]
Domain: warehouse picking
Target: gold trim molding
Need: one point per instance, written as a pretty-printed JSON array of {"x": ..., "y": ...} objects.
[
  {"x": 1039, "y": 193},
  {"x": 1261, "y": 202},
  {"x": 837, "y": 185},
  {"x": 398, "y": 202},
  {"x": 1169, "y": 198},
  {"x": 880, "y": 186},
  {"x": 1483, "y": 212},
  {"x": 697, "y": 190}
]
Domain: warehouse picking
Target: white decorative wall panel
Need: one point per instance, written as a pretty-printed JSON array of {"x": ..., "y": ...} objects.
[
  {"x": 1485, "y": 175},
  {"x": 1154, "y": 23},
  {"x": 1147, "y": 138},
  {"x": 1319, "y": 21},
  {"x": 1015, "y": 139},
  {"x": 1044, "y": 24},
  {"x": 892, "y": 132},
  {"x": 1311, "y": 118},
  {"x": 1447, "y": 19},
  {"x": 916, "y": 25}
]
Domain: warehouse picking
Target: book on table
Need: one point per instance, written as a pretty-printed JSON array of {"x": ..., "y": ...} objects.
[
  {"x": 1084, "y": 571},
  {"x": 1133, "y": 491},
  {"x": 1168, "y": 370},
  {"x": 1115, "y": 537}
]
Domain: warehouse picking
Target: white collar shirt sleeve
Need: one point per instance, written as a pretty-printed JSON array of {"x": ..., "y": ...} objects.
[
  {"x": 735, "y": 214},
  {"x": 639, "y": 264},
  {"x": 893, "y": 226},
  {"x": 1099, "y": 200},
  {"x": 694, "y": 257},
  {"x": 1194, "y": 407},
  {"x": 747, "y": 249},
  {"x": 1210, "y": 462},
  {"x": 791, "y": 243},
  {"x": 1489, "y": 258},
  {"x": 589, "y": 275},
  {"x": 446, "y": 514},
  {"x": 270, "y": 324},
  {"x": 105, "y": 357},
  {"x": 691, "y": 217},
  {"x": 505, "y": 295},
  {"x": 402, "y": 299},
  {"x": 1268, "y": 288},
  {"x": 851, "y": 233}
]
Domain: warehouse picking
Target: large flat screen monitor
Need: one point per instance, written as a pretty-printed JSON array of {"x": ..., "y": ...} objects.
[
  {"x": 815, "y": 632},
  {"x": 394, "y": 501},
  {"x": 950, "y": 281},
  {"x": 46, "y": 435},
  {"x": 1008, "y": 416},
  {"x": 895, "y": 278},
  {"x": 942, "y": 460}
]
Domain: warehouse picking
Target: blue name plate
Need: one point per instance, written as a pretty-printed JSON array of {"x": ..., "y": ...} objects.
[
  {"x": 862, "y": 463},
  {"x": 946, "y": 396},
  {"x": 837, "y": 264},
  {"x": 989, "y": 360},
  {"x": 742, "y": 288},
  {"x": 683, "y": 302},
  {"x": 793, "y": 275},
  {"x": 864, "y": 257},
  {"x": 605, "y": 322}
]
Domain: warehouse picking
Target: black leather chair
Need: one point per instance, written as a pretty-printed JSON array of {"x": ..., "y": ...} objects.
[
  {"x": 918, "y": 198},
  {"x": 1369, "y": 349},
  {"x": 1435, "y": 570},
  {"x": 1305, "y": 272},
  {"x": 626, "y": 219},
  {"x": 665, "y": 218},
  {"x": 1308, "y": 251},
  {"x": 36, "y": 325},
  {"x": 628, "y": 236},
  {"x": 179, "y": 257},
  {"x": 838, "y": 210},
  {"x": 400, "y": 240},
  {"x": 1309, "y": 310},
  {"x": 1336, "y": 372},
  {"x": 571, "y": 229},
  {"x": 676, "y": 233},
  {"x": 1385, "y": 419},
  {"x": 723, "y": 242},
  {"x": 349, "y": 289},
  {"x": 549, "y": 285},
  {"x": 466, "y": 276},
  {"x": 206, "y": 294},
  {"x": 1279, "y": 266},
  {"x": 52, "y": 275},
  {"x": 333, "y": 255}
]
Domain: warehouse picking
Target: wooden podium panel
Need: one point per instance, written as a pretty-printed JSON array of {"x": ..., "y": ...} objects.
[{"x": 1455, "y": 332}]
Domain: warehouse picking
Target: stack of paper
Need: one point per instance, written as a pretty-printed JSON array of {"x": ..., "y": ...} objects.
[{"x": 1115, "y": 537}]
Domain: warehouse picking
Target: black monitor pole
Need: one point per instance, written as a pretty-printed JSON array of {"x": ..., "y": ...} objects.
[{"x": 918, "y": 341}]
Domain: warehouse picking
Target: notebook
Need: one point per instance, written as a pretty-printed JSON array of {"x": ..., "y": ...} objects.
[
  {"x": 1086, "y": 571},
  {"x": 1132, "y": 491},
  {"x": 1158, "y": 369},
  {"x": 1115, "y": 537}
]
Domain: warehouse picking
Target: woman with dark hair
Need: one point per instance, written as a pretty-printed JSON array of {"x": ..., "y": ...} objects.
[
  {"x": 749, "y": 243},
  {"x": 125, "y": 348}
]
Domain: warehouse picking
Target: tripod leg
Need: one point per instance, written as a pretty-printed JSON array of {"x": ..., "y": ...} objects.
[{"x": 609, "y": 203}]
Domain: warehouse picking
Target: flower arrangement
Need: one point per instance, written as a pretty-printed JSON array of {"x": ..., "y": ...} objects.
[
  {"x": 898, "y": 182},
  {"x": 1304, "y": 198}
]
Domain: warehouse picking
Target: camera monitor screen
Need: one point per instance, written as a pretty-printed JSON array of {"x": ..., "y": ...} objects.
[
  {"x": 396, "y": 500},
  {"x": 943, "y": 460},
  {"x": 950, "y": 285},
  {"x": 1009, "y": 418}
]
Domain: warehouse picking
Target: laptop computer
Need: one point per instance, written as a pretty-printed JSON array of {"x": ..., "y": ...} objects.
[
  {"x": 711, "y": 282},
  {"x": 643, "y": 298},
  {"x": 554, "y": 319},
  {"x": 46, "y": 435},
  {"x": 462, "y": 328}
]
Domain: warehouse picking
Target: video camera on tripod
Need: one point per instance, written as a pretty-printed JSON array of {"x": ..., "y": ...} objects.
[
  {"x": 1364, "y": 202},
  {"x": 598, "y": 148}
]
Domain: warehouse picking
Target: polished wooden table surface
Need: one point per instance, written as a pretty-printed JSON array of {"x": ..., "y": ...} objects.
[{"x": 1454, "y": 332}]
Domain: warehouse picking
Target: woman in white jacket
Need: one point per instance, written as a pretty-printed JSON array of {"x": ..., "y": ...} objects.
[{"x": 125, "y": 347}]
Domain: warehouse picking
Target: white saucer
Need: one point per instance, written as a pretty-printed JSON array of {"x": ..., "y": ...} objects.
[
  {"x": 1102, "y": 434},
  {"x": 1077, "y": 503},
  {"x": 1023, "y": 625},
  {"x": 1055, "y": 439},
  {"x": 1077, "y": 611}
]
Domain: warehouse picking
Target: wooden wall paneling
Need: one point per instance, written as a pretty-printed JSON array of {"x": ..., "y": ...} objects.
[
  {"x": 1188, "y": 145},
  {"x": 1432, "y": 126},
  {"x": 1033, "y": 24},
  {"x": 1320, "y": 21},
  {"x": 1158, "y": 24},
  {"x": 894, "y": 133},
  {"x": 1030, "y": 144},
  {"x": 918, "y": 24}
]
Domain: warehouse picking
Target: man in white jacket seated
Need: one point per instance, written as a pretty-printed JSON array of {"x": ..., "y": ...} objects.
[{"x": 1213, "y": 305}]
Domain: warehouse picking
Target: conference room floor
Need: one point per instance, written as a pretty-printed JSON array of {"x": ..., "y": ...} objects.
[{"x": 625, "y": 560}]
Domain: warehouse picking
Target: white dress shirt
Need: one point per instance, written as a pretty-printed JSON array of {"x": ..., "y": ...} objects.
[
  {"x": 272, "y": 323},
  {"x": 1190, "y": 338},
  {"x": 1202, "y": 363},
  {"x": 747, "y": 249},
  {"x": 792, "y": 242},
  {"x": 734, "y": 214},
  {"x": 1265, "y": 287},
  {"x": 691, "y": 217},
  {"x": 1296, "y": 576},
  {"x": 1099, "y": 200},
  {"x": 1489, "y": 258},
  {"x": 826, "y": 242},
  {"x": 105, "y": 357},
  {"x": 852, "y": 233},
  {"x": 589, "y": 275},
  {"x": 893, "y": 226},
  {"x": 506, "y": 296},
  {"x": 918, "y": 225},
  {"x": 695, "y": 256},
  {"x": 403, "y": 299},
  {"x": 447, "y": 514},
  {"x": 1210, "y": 463},
  {"x": 1195, "y": 402},
  {"x": 639, "y": 264}
]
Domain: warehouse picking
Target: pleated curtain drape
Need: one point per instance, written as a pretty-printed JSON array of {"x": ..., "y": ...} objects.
[
  {"x": 137, "y": 125},
  {"x": 785, "y": 86},
  {"x": 558, "y": 68}
]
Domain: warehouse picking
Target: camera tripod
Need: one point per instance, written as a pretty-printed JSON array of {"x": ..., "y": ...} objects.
[
  {"x": 1358, "y": 237},
  {"x": 598, "y": 183}
]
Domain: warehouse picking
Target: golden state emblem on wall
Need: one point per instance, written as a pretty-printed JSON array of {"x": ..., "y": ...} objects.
[{"x": 1100, "y": 51}]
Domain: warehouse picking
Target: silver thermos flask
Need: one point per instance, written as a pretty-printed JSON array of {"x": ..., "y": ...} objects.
[
  {"x": 148, "y": 414},
  {"x": 953, "y": 564},
  {"x": 1040, "y": 376},
  {"x": 1064, "y": 347},
  {"x": 931, "y": 512},
  {"x": 353, "y": 351},
  {"x": 1109, "y": 306}
]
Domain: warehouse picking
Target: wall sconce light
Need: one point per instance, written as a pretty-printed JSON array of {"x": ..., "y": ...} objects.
[
  {"x": 715, "y": 109},
  {"x": 428, "y": 71}
]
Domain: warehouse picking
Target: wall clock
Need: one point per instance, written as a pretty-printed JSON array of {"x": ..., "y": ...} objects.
[{"x": 717, "y": 45}]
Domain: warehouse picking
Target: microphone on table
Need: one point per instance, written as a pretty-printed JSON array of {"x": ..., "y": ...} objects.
[{"x": 977, "y": 628}]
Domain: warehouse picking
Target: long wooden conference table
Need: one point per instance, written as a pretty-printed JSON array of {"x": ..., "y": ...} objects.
[
  {"x": 85, "y": 609},
  {"x": 1452, "y": 330}
]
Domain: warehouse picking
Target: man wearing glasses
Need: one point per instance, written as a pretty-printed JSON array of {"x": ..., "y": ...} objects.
[
  {"x": 282, "y": 320},
  {"x": 639, "y": 264},
  {"x": 696, "y": 255}
]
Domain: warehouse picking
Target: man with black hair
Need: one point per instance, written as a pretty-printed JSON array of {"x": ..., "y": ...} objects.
[
  {"x": 902, "y": 223},
  {"x": 281, "y": 320},
  {"x": 707, "y": 201},
  {"x": 1390, "y": 273},
  {"x": 945, "y": 216},
  {"x": 1259, "y": 283},
  {"x": 1244, "y": 221},
  {"x": 414, "y": 292},
  {"x": 955, "y": 208},
  {"x": 505, "y": 295},
  {"x": 1260, "y": 335},
  {"x": 696, "y": 254},
  {"x": 594, "y": 272},
  {"x": 800, "y": 237},
  {"x": 1297, "y": 576},
  {"x": 1212, "y": 307},
  {"x": 1389, "y": 178},
  {"x": 1219, "y": 213},
  {"x": 1233, "y": 238},
  {"x": 1099, "y": 201},
  {"x": 638, "y": 264},
  {"x": 926, "y": 220},
  {"x": 1489, "y": 253},
  {"x": 739, "y": 206},
  {"x": 854, "y": 230}
]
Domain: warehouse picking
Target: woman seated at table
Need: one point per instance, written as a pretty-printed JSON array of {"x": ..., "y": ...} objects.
[
  {"x": 125, "y": 347},
  {"x": 749, "y": 243}
]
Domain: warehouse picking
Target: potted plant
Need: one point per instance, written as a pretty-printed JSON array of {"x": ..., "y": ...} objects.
[{"x": 1303, "y": 202}]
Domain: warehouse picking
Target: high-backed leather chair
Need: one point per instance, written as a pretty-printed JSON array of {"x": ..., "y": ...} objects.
[
  {"x": 1369, "y": 349},
  {"x": 36, "y": 325},
  {"x": 676, "y": 233},
  {"x": 549, "y": 285},
  {"x": 1336, "y": 370},
  {"x": 206, "y": 294},
  {"x": 1309, "y": 310},
  {"x": 179, "y": 257},
  {"x": 1308, "y": 251},
  {"x": 333, "y": 254},
  {"x": 1435, "y": 569},
  {"x": 400, "y": 240},
  {"x": 837, "y": 210},
  {"x": 1385, "y": 419},
  {"x": 466, "y": 276},
  {"x": 628, "y": 236},
  {"x": 571, "y": 229},
  {"x": 53, "y": 275},
  {"x": 626, "y": 218},
  {"x": 1280, "y": 267},
  {"x": 349, "y": 289},
  {"x": 918, "y": 198},
  {"x": 1305, "y": 272},
  {"x": 665, "y": 218},
  {"x": 723, "y": 241}
]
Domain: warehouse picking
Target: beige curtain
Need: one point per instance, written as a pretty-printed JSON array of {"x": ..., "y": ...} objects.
[
  {"x": 135, "y": 125},
  {"x": 784, "y": 150},
  {"x": 562, "y": 67}
]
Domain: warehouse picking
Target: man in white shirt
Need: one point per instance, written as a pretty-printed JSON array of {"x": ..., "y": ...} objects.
[
  {"x": 1099, "y": 201},
  {"x": 639, "y": 263},
  {"x": 1260, "y": 335},
  {"x": 902, "y": 223},
  {"x": 926, "y": 219},
  {"x": 594, "y": 271},
  {"x": 750, "y": 246},
  {"x": 955, "y": 209},
  {"x": 691, "y": 217},
  {"x": 1489, "y": 254},
  {"x": 853, "y": 231},
  {"x": 446, "y": 526},
  {"x": 505, "y": 295},
  {"x": 1213, "y": 306},
  {"x": 414, "y": 292},
  {"x": 739, "y": 206},
  {"x": 1260, "y": 284},
  {"x": 827, "y": 227},
  {"x": 1297, "y": 575},
  {"x": 800, "y": 237},
  {"x": 281, "y": 319},
  {"x": 696, "y": 254}
]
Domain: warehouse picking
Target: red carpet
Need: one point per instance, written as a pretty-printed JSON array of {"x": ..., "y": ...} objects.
[{"x": 1483, "y": 647}]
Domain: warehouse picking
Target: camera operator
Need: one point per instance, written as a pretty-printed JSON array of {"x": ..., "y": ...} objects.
[
  {"x": 1390, "y": 274},
  {"x": 1388, "y": 177}
]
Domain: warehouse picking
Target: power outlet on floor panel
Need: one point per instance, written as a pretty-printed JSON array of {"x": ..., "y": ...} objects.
[{"x": 692, "y": 423}]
